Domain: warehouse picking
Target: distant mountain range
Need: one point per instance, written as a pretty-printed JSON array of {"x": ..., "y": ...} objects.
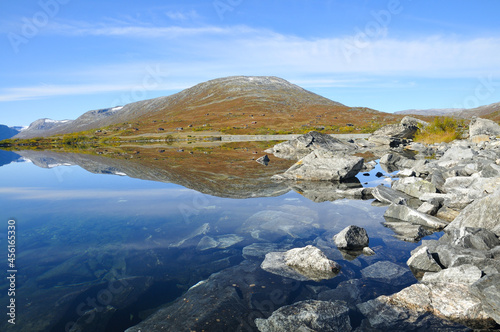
[
  {"x": 491, "y": 111},
  {"x": 8, "y": 132},
  {"x": 242, "y": 102}
]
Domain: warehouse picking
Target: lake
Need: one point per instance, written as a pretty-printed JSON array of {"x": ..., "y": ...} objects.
[{"x": 106, "y": 237}]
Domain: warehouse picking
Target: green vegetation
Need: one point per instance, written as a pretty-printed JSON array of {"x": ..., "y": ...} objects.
[{"x": 442, "y": 129}]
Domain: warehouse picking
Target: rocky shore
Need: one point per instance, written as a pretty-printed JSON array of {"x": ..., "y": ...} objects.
[
  {"x": 453, "y": 188},
  {"x": 451, "y": 283}
]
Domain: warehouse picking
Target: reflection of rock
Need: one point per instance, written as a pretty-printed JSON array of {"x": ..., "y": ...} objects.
[
  {"x": 303, "y": 145},
  {"x": 260, "y": 249},
  {"x": 406, "y": 231},
  {"x": 323, "y": 165},
  {"x": 322, "y": 191},
  {"x": 307, "y": 263},
  {"x": 264, "y": 160},
  {"x": 308, "y": 315},
  {"x": 351, "y": 238},
  {"x": 219, "y": 242}
]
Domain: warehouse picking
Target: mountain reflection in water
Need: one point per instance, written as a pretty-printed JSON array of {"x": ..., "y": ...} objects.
[{"x": 103, "y": 253}]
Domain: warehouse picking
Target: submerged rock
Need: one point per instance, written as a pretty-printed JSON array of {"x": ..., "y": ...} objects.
[
  {"x": 323, "y": 165},
  {"x": 388, "y": 273},
  {"x": 310, "y": 315}
]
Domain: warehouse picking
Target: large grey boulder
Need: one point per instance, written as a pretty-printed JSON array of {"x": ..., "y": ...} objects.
[
  {"x": 482, "y": 213},
  {"x": 405, "y": 129},
  {"x": 414, "y": 187},
  {"x": 351, "y": 238},
  {"x": 406, "y": 213},
  {"x": 487, "y": 289},
  {"x": 474, "y": 238},
  {"x": 323, "y": 165},
  {"x": 422, "y": 261},
  {"x": 463, "y": 274},
  {"x": 305, "y": 144},
  {"x": 409, "y": 309},
  {"x": 308, "y": 316},
  {"x": 480, "y": 126}
]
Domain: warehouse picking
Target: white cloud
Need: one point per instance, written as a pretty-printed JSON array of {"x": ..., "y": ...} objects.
[{"x": 195, "y": 54}]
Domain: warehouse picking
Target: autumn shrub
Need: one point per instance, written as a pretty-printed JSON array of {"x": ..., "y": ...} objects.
[{"x": 441, "y": 129}]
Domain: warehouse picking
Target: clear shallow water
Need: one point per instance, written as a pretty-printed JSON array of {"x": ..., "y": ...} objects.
[{"x": 108, "y": 250}]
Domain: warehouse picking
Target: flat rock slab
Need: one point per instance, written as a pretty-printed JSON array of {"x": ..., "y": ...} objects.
[{"x": 405, "y": 213}]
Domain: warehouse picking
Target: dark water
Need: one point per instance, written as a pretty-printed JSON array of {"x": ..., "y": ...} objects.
[{"x": 107, "y": 250}]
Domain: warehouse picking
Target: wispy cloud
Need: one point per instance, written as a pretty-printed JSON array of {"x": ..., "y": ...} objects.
[{"x": 208, "y": 52}]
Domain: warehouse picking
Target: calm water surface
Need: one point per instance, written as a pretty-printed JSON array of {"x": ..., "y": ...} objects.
[{"x": 102, "y": 252}]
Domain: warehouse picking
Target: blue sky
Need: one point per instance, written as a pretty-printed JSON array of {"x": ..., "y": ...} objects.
[{"x": 61, "y": 58}]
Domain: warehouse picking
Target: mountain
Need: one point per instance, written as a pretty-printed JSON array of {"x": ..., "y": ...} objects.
[
  {"x": 7, "y": 132},
  {"x": 246, "y": 103},
  {"x": 431, "y": 112},
  {"x": 491, "y": 111},
  {"x": 42, "y": 126}
]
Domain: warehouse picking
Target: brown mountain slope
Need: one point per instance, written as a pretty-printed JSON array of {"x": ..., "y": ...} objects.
[
  {"x": 235, "y": 105},
  {"x": 491, "y": 111}
]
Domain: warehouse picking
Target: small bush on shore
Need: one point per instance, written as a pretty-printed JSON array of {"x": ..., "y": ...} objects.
[{"x": 442, "y": 129}]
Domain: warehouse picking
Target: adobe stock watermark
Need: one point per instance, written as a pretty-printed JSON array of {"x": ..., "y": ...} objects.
[
  {"x": 152, "y": 80},
  {"x": 373, "y": 29},
  {"x": 484, "y": 89},
  {"x": 31, "y": 26},
  {"x": 224, "y": 6},
  {"x": 198, "y": 204}
]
